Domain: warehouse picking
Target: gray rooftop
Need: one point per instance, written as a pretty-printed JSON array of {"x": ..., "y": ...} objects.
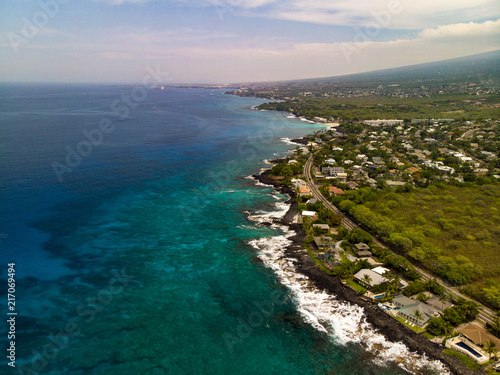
[{"x": 375, "y": 277}]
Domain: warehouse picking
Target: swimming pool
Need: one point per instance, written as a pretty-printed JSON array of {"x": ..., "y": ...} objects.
[{"x": 468, "y": 348}]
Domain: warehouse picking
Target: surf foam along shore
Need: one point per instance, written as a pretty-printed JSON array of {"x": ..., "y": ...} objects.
[{"x": 337, "y": 310}]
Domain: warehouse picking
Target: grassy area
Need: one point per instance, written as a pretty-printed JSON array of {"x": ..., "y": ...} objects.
[
  {"x": 429, "y": 336},
  {"x": 416, "y": 328},
  {"x": 343, "y": 257},
  {"x": 469, "y": 362},
  {"x": 354, "y": 285}
]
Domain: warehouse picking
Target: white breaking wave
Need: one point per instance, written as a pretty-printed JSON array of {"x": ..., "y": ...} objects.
[
  {"x": 306, "y": 120},
  {"x": 257, "y": 182},
  {"x": 288, "y": 141},
  {"x": 343, "y": 322},
  {"x": 269, "y": 217}
]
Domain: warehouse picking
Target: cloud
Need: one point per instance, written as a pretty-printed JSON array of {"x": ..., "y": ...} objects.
[
  {"x": 404, "y": 14},
  {"x": 460, "y": 30},
  {"x": 311, "y": 60},
  {"x": 401, "y": 14}
]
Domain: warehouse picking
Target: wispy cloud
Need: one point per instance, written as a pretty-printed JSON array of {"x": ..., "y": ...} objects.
[{"x": 405, "y": 14}]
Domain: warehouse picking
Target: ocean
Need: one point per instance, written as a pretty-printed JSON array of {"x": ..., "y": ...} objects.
[{"x": 135, "y": 229}]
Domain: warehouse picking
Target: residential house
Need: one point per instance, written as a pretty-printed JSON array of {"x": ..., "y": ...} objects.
[
  {"x": 352, "y": 185},
  {"x": 401, "y": 301},
  {"x": 361, "y": 157},
  {"x": 310, "y": 214},
  {"x": 361, "y": 246},
  {"x": 374, "y": 263},
  {"x": 418, "y": 313},
  {"x": 321, "y": 226},
  {"x": 392, "y": 184},
  {"x": 335, "y": 190},
  {"x": 304, "y": 191},
  {"x": 413, "y": 170},
  {"x": 380, "y": 270},
  {"x": 364, "y": 254},
  {"x": 337, "y": 173},
  {"x": 373, "y": 278},
  {"x": 478, "y": 335},
  {"x": 438, "y": 304},
  {"x": 380, "y": 122},
  {"x": 332, "y": 171},
  {"x": 324, "y": 243}
]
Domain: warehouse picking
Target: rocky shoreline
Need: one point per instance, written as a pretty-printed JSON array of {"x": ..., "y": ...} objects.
[{"x": 388, "y": 326}]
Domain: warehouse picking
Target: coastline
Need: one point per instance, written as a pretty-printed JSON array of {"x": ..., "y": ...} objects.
[{"x": 389, "y": 327}]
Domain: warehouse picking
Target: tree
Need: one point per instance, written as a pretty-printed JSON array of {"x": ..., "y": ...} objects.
[
  {"x": 467, "y": 309},
  {"x": 453, "y": 316},
  {"x": 359, "y": 235},
  {"x": 490, "y": 348},
  {"x": 422, "y": 297},
  {"x": 494, "y": 327},
  {"x": 418, "y": 315},
  {"x": 367, "y": 279},
  {"x": 436, "y": 326},
  {"x": 447, "y": 328}
]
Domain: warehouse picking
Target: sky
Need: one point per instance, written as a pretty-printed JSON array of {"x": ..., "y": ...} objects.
[{"x": 231, "y": 41}]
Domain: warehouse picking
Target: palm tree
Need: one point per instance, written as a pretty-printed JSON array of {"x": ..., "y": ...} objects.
[
  {"x": 396, "y": 282},
  {"x": 367, "y": 279},
  {"x": 490, "y": 348},
  {"x": 349, "y": 275},
  {"x": 418, "y": 315}
]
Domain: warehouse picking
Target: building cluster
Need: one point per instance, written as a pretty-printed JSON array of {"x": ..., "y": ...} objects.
[
  {"x": 281, "y": 91},
  {"x": 394, "y": 153}
]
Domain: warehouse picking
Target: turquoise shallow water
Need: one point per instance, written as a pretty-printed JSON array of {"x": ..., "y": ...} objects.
[{"x": 141, "y": 260}]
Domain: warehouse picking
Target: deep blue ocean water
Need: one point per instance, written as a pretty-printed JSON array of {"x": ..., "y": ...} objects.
[{"x": 138, "y": 259}]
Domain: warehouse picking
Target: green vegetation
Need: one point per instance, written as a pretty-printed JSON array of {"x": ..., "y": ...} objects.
[
  {"x": 455, "y": 106},
  {"x": 452, "y": 231},
  {"x": 469, "y": 362},
  {"x": 462, "y": 312},
  {"x": 415, "y": 328},
  {"x": 287, "y": 171},
  {"x": 354, "y": 285},
  {"x": 419, "y": 286}
]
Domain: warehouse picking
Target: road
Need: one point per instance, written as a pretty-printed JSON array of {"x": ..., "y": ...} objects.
[
  {"x": 348, "y": 223},
  {"x": 486, "y": 315}
]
